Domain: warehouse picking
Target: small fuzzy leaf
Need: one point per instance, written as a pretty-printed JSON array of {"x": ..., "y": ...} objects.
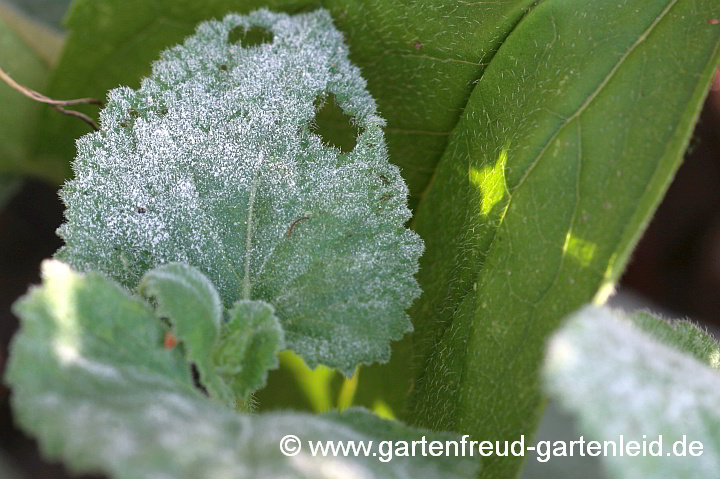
[
  {"x": 248, "y": 346},
  {"x": 621, "y": 380},
  {"x": 92, "y": 381},
  {"x": 186, "y": 298},
  {"x": 682, "y": 335},
  {"x": 213, "y": 162}
]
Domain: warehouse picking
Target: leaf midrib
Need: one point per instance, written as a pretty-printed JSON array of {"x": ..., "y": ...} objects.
[
  {"x": 508, "y": 365},
  {"x": 595, "y": 93},
  {"x": 606, "y": 80},
  {"x": 247, "y": 285}
]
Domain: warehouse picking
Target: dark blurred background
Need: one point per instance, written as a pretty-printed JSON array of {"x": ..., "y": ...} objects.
[{"x": 676, "y": 266}]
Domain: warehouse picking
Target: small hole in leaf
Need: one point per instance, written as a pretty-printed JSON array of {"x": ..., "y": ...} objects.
[
  {"x": 250, "y": 38},
  {"x": 333, "y": 125}
]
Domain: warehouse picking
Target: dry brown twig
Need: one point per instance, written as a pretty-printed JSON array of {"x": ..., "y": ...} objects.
[{"x": 57, "y": 104}]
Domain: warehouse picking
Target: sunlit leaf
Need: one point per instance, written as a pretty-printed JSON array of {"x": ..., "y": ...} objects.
[{"x": 567, "y": 144}]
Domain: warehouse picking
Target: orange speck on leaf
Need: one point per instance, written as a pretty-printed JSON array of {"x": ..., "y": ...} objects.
[{"x": 170, "y": 340}]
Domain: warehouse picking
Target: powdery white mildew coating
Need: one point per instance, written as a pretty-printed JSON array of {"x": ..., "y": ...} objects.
[{"x": 213, "y": 161}]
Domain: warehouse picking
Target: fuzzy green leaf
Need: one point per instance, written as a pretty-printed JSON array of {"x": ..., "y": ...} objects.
[
  {"x": 620, "y": 380},
  {"x": 682, "y": 335},
  {"x": 232, "y": 357},
  {"x": 189, "y": 301},
  {"x": 92, "y": 381},
  {"x": 213, "y": 162},
  {"x": 248, "y": 346},
  {"x": 566, "y": 146}
]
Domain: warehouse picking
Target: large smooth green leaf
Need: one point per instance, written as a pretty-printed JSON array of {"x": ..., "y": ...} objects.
[
  {"x": 566, "y": 146},
  {"x": 27, "y": 53},
  {"x": 213, "y": 162},
  {"x": 421, "y": 60},
  {"x": 625, "y": 381},
  {"x": 92, "y": 380}
]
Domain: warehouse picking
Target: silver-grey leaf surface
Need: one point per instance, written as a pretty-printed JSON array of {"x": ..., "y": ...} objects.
[{"x": 213, "y": 162}]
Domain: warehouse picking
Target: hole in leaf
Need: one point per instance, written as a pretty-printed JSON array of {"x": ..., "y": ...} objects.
[
  {"x": 333, "y": 125},
  {"x": 250, "y": 38}
]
